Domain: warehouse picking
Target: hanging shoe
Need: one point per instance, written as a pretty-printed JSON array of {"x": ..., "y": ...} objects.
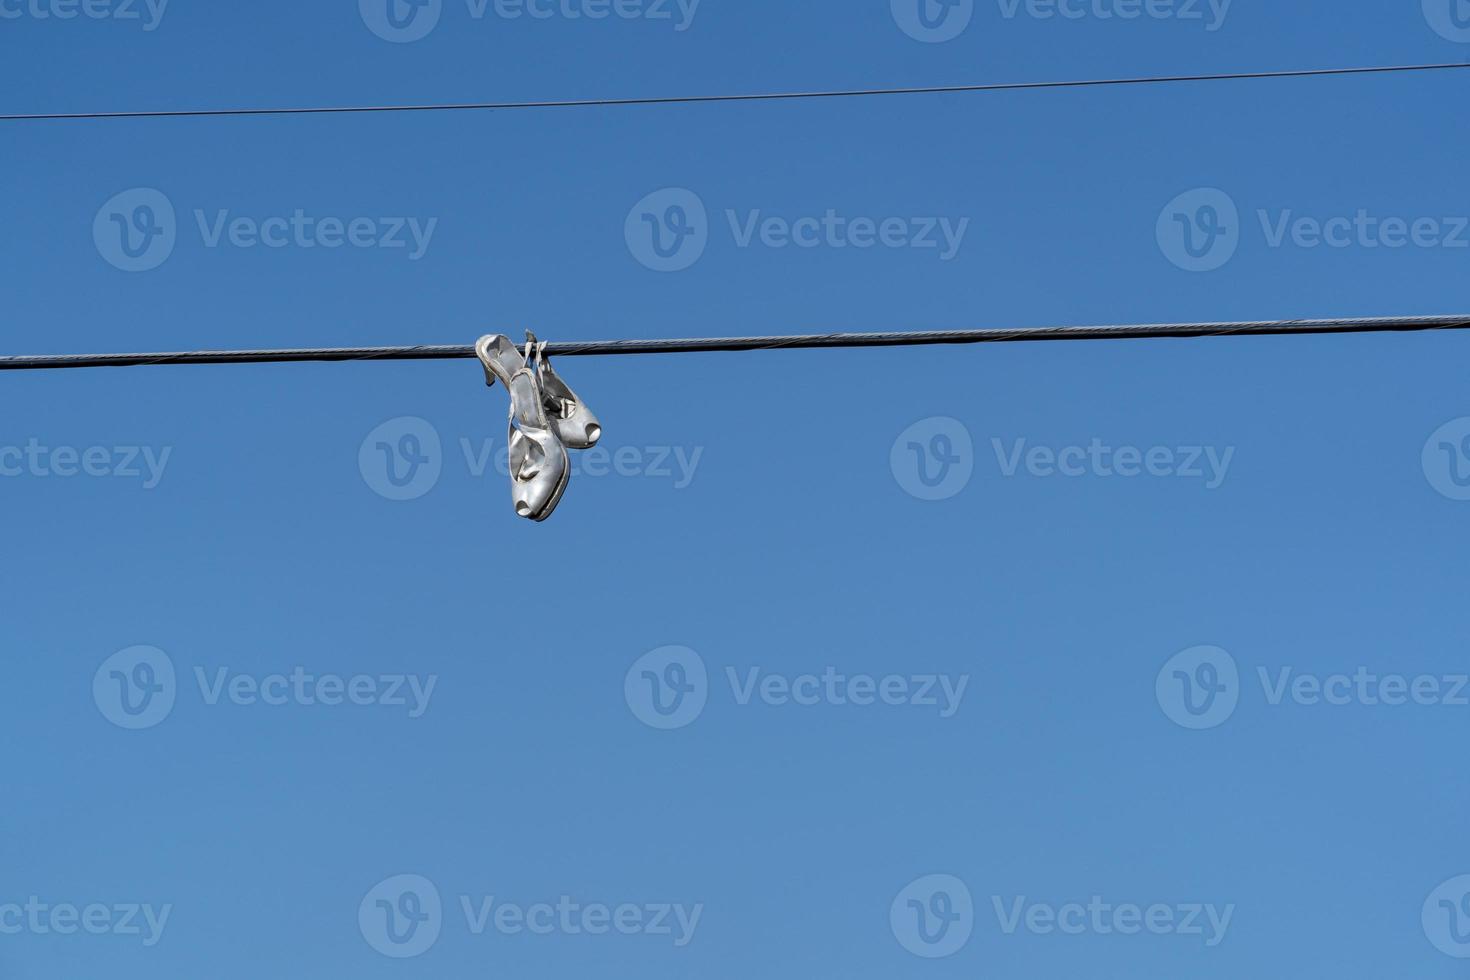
[
  {"x": 539, "y": 469},
  {"x": 569, "y": 415}
]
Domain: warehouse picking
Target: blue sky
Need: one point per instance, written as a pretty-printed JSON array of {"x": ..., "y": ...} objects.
[{"x": 1127, "y": 659}]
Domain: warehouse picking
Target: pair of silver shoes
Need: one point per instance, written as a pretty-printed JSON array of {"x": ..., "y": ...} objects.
[{"x": 546, "y": 419}]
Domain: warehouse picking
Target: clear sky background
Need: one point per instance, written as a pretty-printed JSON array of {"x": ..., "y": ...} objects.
[{"x": 796, "y": 537}]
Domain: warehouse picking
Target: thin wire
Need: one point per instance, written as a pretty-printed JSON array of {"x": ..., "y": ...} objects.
[
  {"x": 750, "y": 97},
  {"x": 1136, "y": 331}
]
